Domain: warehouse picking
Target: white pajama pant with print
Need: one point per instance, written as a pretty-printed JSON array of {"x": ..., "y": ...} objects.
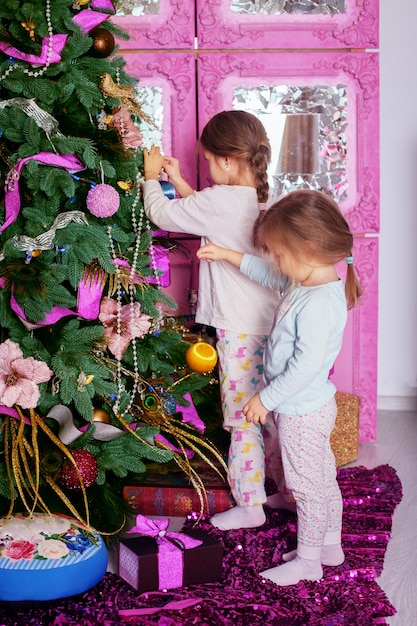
[
  {"x": 310, "y": 474},
  {"x": 241, "y": 375}
]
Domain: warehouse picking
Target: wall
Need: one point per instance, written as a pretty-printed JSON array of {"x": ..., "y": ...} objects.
[{"x": 397, "y": 338}]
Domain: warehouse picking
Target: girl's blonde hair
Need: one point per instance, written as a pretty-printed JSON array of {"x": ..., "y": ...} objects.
[
  {"x": 240, "y": 135},
  {"x": 308, "y": 221}
]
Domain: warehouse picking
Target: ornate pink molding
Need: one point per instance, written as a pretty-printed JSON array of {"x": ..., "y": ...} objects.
[
  {"x": 173, "y": 27},
  {"x": 219, "y": 27}
]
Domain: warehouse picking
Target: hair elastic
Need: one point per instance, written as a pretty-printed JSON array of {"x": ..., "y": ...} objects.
[
  {"x": 262, "y": 206},
  {"x": 349, "y": 260}
]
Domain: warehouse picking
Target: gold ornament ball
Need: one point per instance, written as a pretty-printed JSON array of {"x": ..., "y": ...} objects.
[
  {"x": 103, "y": 43},
  {"x": 100, "y": 415},
  {"x": 201, "y": 357}
]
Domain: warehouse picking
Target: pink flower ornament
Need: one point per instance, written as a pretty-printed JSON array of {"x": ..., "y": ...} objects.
[
  {"x": 20, "y": 377},
  {"x": 133, "y": 323},
  {"x": 129, "y": 134}
]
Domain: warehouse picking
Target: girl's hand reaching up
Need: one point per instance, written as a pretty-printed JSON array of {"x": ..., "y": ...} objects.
[
  {"x": 153, "y": 162},
  {"x": 171, "y": 166},
  {"x": 212, "y": 252}
]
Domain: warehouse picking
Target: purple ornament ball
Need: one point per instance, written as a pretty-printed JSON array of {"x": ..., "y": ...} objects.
[{"x": 103, "y": 200}]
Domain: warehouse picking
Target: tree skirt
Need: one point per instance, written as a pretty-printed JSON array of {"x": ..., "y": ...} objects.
[{"x": 347, "y": 594}]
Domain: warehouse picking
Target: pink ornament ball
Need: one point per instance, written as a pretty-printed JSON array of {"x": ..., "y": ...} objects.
[{"x": 103, "y": 200}]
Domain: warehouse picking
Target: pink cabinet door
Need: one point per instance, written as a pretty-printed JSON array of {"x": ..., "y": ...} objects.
[
  {"x": 339, "y": 89},
  {"x": 280, "y": 24},
  {"x": 156, "y": 24},
  {"x": 355, "y": 370},
  {"x": 166, "y": 90}
]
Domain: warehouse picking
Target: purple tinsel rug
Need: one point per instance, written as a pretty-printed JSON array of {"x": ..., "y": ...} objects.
[{"x": 346, "y": 596}]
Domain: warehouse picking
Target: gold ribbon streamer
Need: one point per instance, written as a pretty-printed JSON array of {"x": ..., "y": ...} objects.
[{"x": 18, "y": 449}]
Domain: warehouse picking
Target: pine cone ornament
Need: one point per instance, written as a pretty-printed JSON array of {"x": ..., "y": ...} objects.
[{"x": 87, "y": 466}]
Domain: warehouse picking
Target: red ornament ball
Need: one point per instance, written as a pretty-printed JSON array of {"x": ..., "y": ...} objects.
[
  {"x": 103, "y": 43},
  {"x": 87, "y": 466},
  {"x": 103, "y": 200}
]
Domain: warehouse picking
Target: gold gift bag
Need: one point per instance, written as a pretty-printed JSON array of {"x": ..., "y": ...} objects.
[{"x": 344, "y": 438}]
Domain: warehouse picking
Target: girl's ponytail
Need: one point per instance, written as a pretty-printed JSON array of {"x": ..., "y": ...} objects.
[{"x": 353, "y": 289}]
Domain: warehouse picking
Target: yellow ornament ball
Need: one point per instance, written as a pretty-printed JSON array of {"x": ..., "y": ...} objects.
[{"x": 201, "y": 357}]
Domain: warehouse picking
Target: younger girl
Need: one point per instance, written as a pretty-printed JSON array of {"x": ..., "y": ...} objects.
[
  {"x": 237, "y": 149},
  {"x": 304, "y": 234}
]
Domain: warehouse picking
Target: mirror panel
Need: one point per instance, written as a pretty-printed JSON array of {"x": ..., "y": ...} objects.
[
  {"x": 306, "y": 127},
  {"x": 340, "y": 88},
  {"x": 289, "y": 7}
]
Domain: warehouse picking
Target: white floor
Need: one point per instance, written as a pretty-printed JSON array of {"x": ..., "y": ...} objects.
[{"x": 397, "y": 446}]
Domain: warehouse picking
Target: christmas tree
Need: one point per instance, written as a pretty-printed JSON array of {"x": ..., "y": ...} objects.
[{"x": 93, "y": 377}]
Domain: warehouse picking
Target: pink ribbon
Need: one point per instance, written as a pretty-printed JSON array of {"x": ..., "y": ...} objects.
[
  {"x": 58, "y": 44},
  {"x": 189, "y": 416},
  {"x": 87, "y": 20},
  {"x": 161, "y": 257},
  {"x": 12, "y": 195},
  {"x": 5, "y": 410},
  {"x": 88, "y": 305},
  {"x": 174, "y": 605},
  {"x": 104, "y": 5},
  {"x": 170, "y": 555}
]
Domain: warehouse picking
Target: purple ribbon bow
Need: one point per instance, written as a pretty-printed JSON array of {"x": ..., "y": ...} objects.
[
  {"x": 12, "y": 195},
  {"x": 170, "y": 558},
  {"x": 57, "y": 45}
]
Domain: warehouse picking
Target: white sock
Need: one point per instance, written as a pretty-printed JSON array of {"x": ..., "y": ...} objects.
[
  {"x": 239, "y": 517},
  {"x": 292, "y": 572},
  {"x": 277, "y": 501},
  {"x": 330, "y": 555}
]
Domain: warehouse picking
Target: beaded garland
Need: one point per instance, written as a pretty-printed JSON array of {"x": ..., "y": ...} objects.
[{"x": 138, "y": 226}]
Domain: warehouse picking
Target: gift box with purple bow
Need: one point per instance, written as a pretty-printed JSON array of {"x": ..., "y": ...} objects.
[{"x": 155, "y": 558}]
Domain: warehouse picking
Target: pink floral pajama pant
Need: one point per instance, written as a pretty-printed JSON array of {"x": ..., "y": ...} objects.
[
  {"x": 310, "y": 472},
  {"x": 241, "y": 375}
]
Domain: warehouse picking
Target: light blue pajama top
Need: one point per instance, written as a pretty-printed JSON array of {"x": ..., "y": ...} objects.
[{"x": 304, "y": 341}]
